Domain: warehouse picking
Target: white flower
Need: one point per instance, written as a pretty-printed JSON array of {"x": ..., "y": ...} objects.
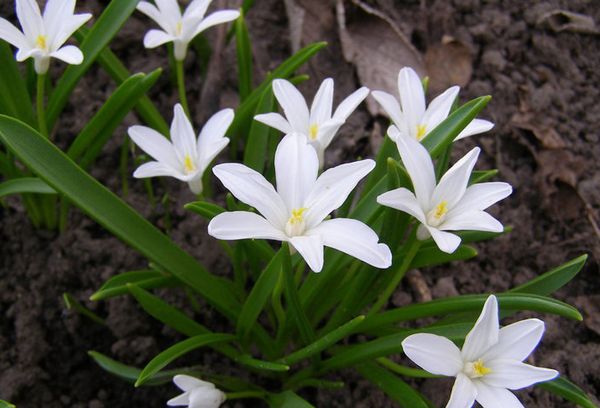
[
  {"x": 490, "y": 362},
  {"x": 448, "y": 206},
  {"x": 185, "y": 158},
  {"x": 180, "y": 28},
  {"x": 318, "y": 125},
  {"x": 43, "y": 36},
  {"x": 296, "y": 211},
  {"x": 413, "y": 119},
  {"x": 197, "y": 393}
]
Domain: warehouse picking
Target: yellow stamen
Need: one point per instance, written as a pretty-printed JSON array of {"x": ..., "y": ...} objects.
[
  {"x": 188, "y": 164},
  {"x": 479, "y": 369},
  {"x": 40, "y": 42},
  {"x": 295, "y": 224},
  {"x": 312, "y": 131},
  {"x": 441, "y": 209},
  {"x": 421, "y": 129},
  {"x": 297, "y": 216},
  {"x": 179, "y": 28}
]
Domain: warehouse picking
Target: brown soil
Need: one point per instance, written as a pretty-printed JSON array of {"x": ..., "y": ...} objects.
[{"x": 544, "y": 84}]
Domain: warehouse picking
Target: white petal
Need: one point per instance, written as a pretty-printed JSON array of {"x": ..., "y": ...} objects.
[
  {"x": 66, "y": 27},
  {"x": 482, "y": 195},
  {"x": 170, "y": 13},
  {"x": 433, "y": 353},
  {"x": 196, "y": 9},
  {"x": 30, "y": 18},
  {"x": 182, "y": 135},
  {"x": 69, "y": 54},
  {"x": 439, "y": 108},
  {"x": 348, "y": 105},
  {"x": 419, "y": 166},
  {"x": 11, "y": 34},
  {"x": 154, "y": 38},
  {"x": 188, "y": 383},
  {"x": 390, "y": 105},
  {"x": 446, "y": 241},
  {"x": 514, "y": 375},
  {"x": 212, "y": 140},
  {"x": 156, "y": 145},
  {"x": 275, "y": 120},
  {"x": 463, "y": 393},
  {"x": 150, "y": 10},
  {"x": 293, "y": 104},
  {"x": 243, "y": 225},
  {"x": 485, "y": 332},
  {"x": 253, "y": 189},
  {"x": 356, "y": 239},
  {"x": 332, "y": 188},
  {"x": 327, "y": 131},
  {"x": 218, "y": 17},
  {"x": 180, "y": 400},
  {"x": 311, "y": 249},
  {"x": 206, "y": 398},
  {"x": 404, "y": 200},
  {"x": 320, "y": 110},
  {"x": 154, "y": 169},
  {"x": 475, "y": 127},
  {"x": 516, "y": 341},
  {"x": 492, "y": 397},
  {"x": 296, "y": 168},
  {"x": 412, "y": 97},
  {"x": 471, "y": 221},
  {"x": 453, "y": 184}
]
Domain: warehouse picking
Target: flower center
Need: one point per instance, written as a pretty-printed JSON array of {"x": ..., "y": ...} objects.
[
  {"x": 40, "y": 42},
  {"x": 421, "y": 130},
  {"x": 437, "y": 215},
  {"x": 178, "y": 28},
  {"x": 476, "y": 369},
  {"x": 188, "y": 165},
  {"x": 312, "y": 131},
  {"x": 295, "y": 224}
]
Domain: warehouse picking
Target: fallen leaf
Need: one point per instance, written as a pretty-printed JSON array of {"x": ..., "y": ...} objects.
[
  {"x": 563, "y": 20},
  {"x": 448, "y": 63},
  {"x": 546, "y": 135}
]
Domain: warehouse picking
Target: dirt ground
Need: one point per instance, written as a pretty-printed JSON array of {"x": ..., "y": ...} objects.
[{"x": 539, "y": 63}]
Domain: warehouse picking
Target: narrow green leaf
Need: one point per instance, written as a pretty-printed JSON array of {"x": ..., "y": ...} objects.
[
  {"x": 569, "y": 391},
  {"x": 244, "y": 57},
  {"x": 73, "y": 304},
  {"x": 255, "y": 153},
  {"x": 288, "y": 399},
  {"x": 5, "y": 404},
  {"x": 178, "y": 350},
  {"x": 430, "y": 256},
  {"x": 56, "y": 169},
  {"x": 100, "y": 35},
  {"x": 15, "y": 100},
  {"x": 206, "y": 210},
  {"x": 479, "y": 176},
  {"x": 25, "y": 185},
  {"x": 552, "y": 280},
  {"x": 129, "y": 373},
  {"x": 388, "y": 149},
  {"x": 145, "y": 279}
]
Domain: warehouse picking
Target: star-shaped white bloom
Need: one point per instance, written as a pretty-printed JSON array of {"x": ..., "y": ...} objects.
[
  {"x": 451, "y": 205},
  {"x": 490, "y": 362},
  {"x": 318, "y": 125},
  {"x": 410, "y": 116},
  {"x": 185, "y": 157},
  {"x": 180, "y": 29},
  {"x": 197, "y": 393},
  {"x": 296, "y": 211},
  {"x": 44, "y": 35}
]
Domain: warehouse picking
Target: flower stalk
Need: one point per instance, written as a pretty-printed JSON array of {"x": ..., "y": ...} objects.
[
  {"x": 40, "y": 105},
  {"x": 181, "y": 86}
]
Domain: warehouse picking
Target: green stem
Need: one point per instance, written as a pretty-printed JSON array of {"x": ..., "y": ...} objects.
[
  {"x": 405, "y": 371},
  {"x": 245, "y": 394},
  {"x": 413, "y": 246},
  {"x": 41, "y": 113},
  {"x": 181, "y": 87}
]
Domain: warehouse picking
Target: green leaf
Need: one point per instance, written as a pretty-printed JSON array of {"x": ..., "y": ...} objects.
[
  {"x": 244, "y": 57},
  {"x": 73, "y": 304},
  {"x": 569, "y": 391},
  {"x": 178, "y": 350},
  {"x": 56, "y": 169},
  {"x": 388, "y": 149},
  {"x": 445, "y": 133},
  {"x": 255, "y": 153},
  {"x": 15, "y": 100},
  {"x": 145, "y": 279},
  {"x": 5, "y": 404},
  {"x": 25, "y": 185},
  {"x": 429, "y": 256},
  {"x": 288, "y": 399},
  {"x": 552, "y": 280},
  {"x": 393, "y": 386},
  {"x": 128, "y": 373},
  {"x": 206, "y": 210},
  {"x": 103, "y": 31},
  {"x": 479, "y": 176}
]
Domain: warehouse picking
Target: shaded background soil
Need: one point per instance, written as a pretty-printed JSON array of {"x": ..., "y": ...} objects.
[{"x": 542, "y": 70}]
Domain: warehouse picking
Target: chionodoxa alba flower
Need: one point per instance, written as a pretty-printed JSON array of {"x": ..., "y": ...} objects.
[
  {"x": 44, "y": 35},
  {"x": 490, "y": 362},
  {"x": 296, "y": 211},
  {"x": 185, "y": 157},
  {"x": 450, "y": 205},
  {"x": 196, "y": 393}
]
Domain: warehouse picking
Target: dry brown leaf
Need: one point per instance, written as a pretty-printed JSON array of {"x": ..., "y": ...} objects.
[
  {"x": 547, "y": 136},
  {"x": 563, "y": 20},
  {"x": 448, "y": 63},
  {"x": 378, "y": 49}
]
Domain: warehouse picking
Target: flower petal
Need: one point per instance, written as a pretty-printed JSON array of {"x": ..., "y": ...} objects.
[
  {"x": 349, "y": 105},
  {"x": 439, "y": 108},
  {"x": 327, "y": 131},
  {"x": 69, "y": 54},
  {"x": 404, "y": 200},
  {"x": 154, "y": 169},
  {"x": 66, "y": 27},
  {"x": 296, "y": 168},
  {"x": 471, "y": 221},
  {"x": 516, "y": 341},
  {"x": 332, "y": 188},
  {"x": 514, "y": 375},
  {"x": 218, "y": 17},
  {"x": 453, "y": 184},
  {"x": 482, "y": 195},
  {"x": 188, "y": 383},
  {"x": 156, "y": 145},
  {"x": 196, "y": 9},
  {"x": 155, "y": 38},
  {"x": 30, "y": 18},
  {"x": 275, "y": 120},
  {"x": 412, "y": 97},
  {"x": 390, "y": 105},
  {"x": 211, "y": 139},
  {"x": 445, "y": 241},
  {"x": 463, "y": 393},
  {"x": 485, "y": 332},
  {"x": 170, "y": 13},
  {"x": 311, "y": 249},
  {"x": 475, "y": 127},
  {"x": 293, "y": 104},
  {"x": 492, "y": 397},
  {"x": 206, "y": 398},
  {"x": 243, "y": 225},
  {"x": 320, "y": 110},
  {"x": 180, "y": 400},
  {"x": 11, "y": 34},
  {"x": 419, "y": 166},
  {"x": 253, "y": 189},
  {"x": 433, "y": 353},
  {"x": 356, "y": 239},
  {"x": 182, "y": 135}
]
